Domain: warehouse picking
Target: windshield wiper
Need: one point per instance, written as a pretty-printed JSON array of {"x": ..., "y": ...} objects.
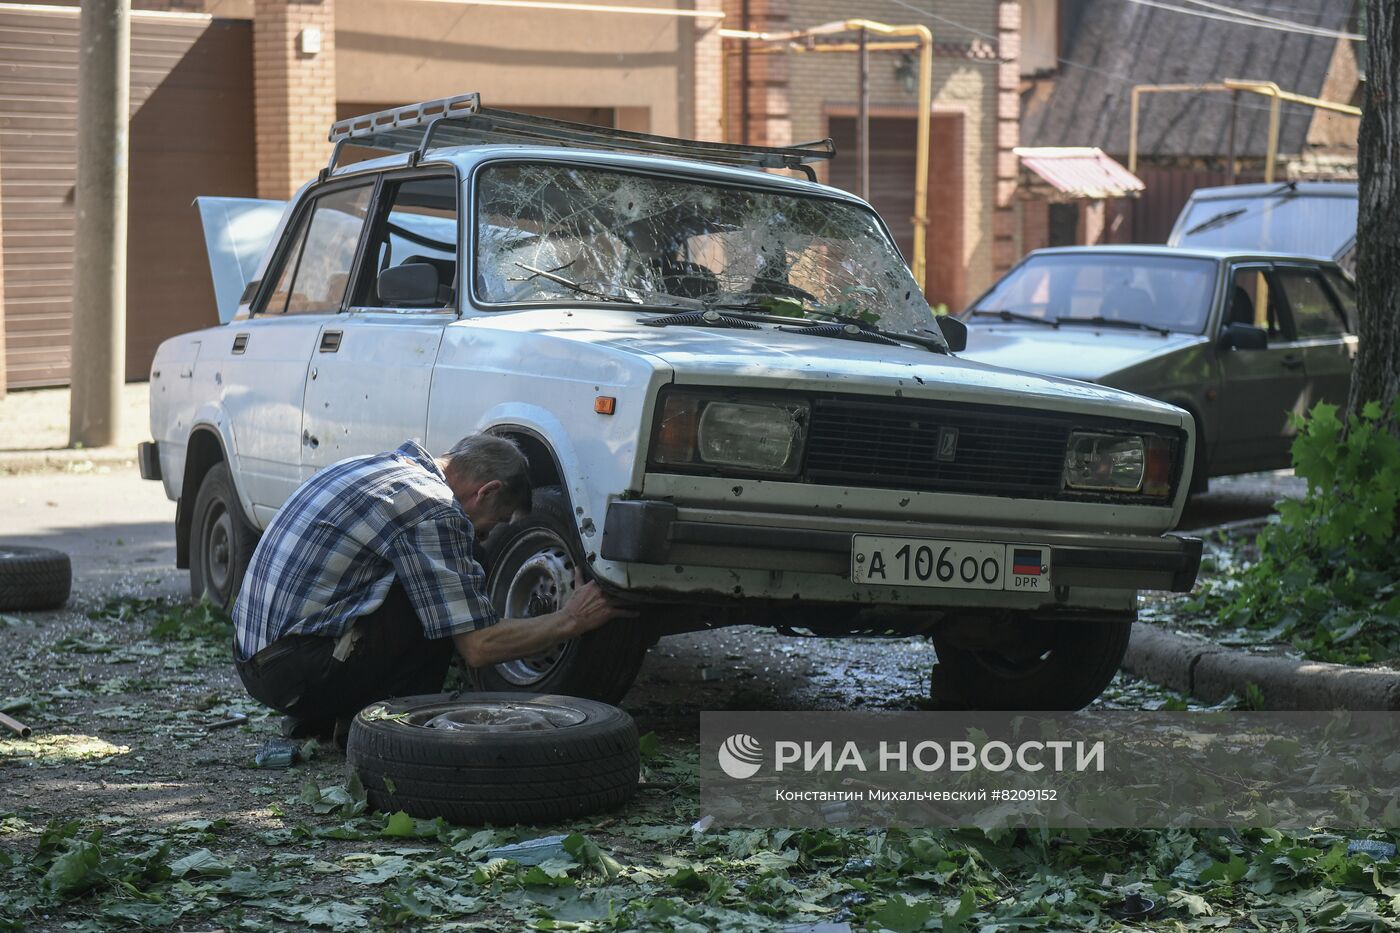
[
  {"x": 1219, "y": 220},
  {"x": 830, "y": 325},
  {"x": 569, "y": 283},
  {"x": 1225, "y": 217},
  {"x": 1101, "y": 321},
  {"x": 700, "y": 319},
  {"x": 849, "y": 330},
  {"x": 1015, "y": 316}
]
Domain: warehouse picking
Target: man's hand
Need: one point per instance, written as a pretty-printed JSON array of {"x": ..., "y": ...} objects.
[{"x": 587, "y": 608}]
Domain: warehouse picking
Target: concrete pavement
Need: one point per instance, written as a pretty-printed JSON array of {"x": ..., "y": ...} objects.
[
  {"x": 118, "y": 529},
  {"x": 34, "y": 431}
]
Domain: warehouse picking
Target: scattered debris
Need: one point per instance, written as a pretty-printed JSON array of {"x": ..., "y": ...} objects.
[
  {"x": 228, "y": 723},
  {"x": 1133, "y": 906},
  {"x": 1379, "y": 850},
  {"x": 532, "y": 851},
  {"x": 15, "y": 726},
  {"x": 278, "y": 753}
]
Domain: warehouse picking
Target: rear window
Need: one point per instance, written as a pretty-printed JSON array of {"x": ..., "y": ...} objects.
[{"x": 1285, "y": 223}]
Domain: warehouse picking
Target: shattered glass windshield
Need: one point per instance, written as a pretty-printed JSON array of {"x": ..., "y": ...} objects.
[{"x": 565, "y": 233}]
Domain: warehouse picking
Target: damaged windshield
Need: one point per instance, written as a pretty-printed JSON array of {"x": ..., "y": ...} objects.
[{"x": 567, "y": 233}]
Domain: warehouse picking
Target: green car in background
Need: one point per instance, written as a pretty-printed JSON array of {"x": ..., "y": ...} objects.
[{"x": 1241, "y": 340}]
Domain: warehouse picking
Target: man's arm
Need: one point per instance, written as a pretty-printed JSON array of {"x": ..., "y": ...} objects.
[{"x": 509, "y": 639}]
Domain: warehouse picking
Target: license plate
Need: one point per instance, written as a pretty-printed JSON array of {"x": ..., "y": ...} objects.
[{"x": 959, "y": 565}]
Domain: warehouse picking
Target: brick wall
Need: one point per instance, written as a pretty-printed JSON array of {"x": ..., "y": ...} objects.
[
  {"x": 708, "y": 71},
  {"x": 818, "y": 84},
  {"x": 294, "y": 92}
]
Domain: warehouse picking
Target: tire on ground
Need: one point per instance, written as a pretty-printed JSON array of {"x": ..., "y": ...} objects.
[
  {"x": 1081, "y": 659},
  {"x": 602, "y": 664},
  {"x": 470, "y": 777},
  {"x": 34, "y": 578},
  {"x": 221, "y": 540}
]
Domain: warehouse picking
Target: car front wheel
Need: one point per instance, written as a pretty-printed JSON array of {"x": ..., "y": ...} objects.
[
  {"x": 530, "y": 572},
  {"x": 221, "y": 540},
  {"x": 1061, "y": 664}
]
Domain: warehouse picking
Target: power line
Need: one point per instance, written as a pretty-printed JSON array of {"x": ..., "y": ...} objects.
[
  {"x": 1258, "y": 21},
  {"x": 1238, "y": 11},
  {"x": 1122, "y": 79}
]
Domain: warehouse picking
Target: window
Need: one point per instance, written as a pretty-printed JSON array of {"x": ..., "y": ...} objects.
[
  {"x": 553, "y": 233},
  {"x": 1314, "y": 314},
  {"x": 416, "y": 223},
  {"x": 1159, "y": 290},
  {"x": 1345, "y": 293},
  {"x": 1251, "y": 302},
  {"x": 316, "y": 269}
]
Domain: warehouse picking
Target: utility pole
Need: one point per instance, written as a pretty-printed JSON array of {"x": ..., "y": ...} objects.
[
  {"x": 98, "y": 366},
  {"x": 863, "y": 118}
]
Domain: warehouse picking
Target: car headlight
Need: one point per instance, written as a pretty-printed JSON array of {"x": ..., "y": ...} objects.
[
  {"x": 751, "y": 435},
  {"x": 1125, "y": 463}
]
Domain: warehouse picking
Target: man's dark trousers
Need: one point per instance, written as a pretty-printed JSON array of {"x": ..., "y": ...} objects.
[{"x": 298, "y": 674}]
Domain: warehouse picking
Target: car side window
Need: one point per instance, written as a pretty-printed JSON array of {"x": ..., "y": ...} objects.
[
  {"x": 415, "y": 224},
  {"x": 316, "y": 271},
  {"x": 1345, "y": 293},
  {"x": 1314, "y": 312},
  {"x": 1252, "y": 301}
]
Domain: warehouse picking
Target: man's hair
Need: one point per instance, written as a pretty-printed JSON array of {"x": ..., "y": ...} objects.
[{"x": 480, "y": 458}]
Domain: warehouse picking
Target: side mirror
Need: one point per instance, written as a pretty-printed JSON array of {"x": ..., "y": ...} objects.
[
  {"x": 411, "y": 285},
  {"x": 954, "y": 331},
  {"x": 1243, "y": 337}
]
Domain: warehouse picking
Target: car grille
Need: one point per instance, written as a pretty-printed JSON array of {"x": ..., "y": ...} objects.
[{"x": 1000, "y": 451}]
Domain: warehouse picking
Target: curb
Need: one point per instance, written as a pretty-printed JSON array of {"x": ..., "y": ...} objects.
[
  {"x": 1211, "y": 673},
  {"x": 63, "y": 460}
]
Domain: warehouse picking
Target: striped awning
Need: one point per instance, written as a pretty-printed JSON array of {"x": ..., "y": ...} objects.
[{"x": 1080, "y": 172}]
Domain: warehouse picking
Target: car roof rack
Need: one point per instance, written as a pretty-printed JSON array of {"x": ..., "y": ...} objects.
[{"x": 462, "y": 121}]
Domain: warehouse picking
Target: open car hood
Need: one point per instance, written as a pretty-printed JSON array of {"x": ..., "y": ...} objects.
[{"x": 237, "y": 232}]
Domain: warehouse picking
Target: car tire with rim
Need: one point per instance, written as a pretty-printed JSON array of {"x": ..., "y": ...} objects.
[
  {"x": 34, "y": 578},
  {"x": 1068, "y": 670},
  {"x": 221, "y": 540},
  {"x": 497, "y": 758},
  {"x": 530, "y": 573}
]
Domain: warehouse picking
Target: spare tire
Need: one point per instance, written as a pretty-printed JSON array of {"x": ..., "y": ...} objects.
[
  {"x": 499, "y": 758},
  {"x": 34, "y": 577}
]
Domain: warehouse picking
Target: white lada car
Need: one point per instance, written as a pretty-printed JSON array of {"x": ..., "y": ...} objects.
[{"x": 737, "y": 406}]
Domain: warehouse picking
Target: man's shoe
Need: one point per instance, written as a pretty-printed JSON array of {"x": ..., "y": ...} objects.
[
  {"x": 296, "y": 728},
  {"x": 342, "y": 731}
]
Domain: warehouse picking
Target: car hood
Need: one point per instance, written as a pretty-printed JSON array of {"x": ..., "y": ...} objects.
[
  {"x": 1075, "y": 351},
  {"x": 781, "y": 360}
]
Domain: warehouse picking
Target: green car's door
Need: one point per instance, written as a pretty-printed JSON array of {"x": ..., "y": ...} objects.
[
  {"x": 1317, "y": 304},
  {"x": 1259, "y": 389}
]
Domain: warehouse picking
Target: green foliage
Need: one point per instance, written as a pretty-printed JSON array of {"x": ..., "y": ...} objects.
[{"x": 1328, "y": 569}]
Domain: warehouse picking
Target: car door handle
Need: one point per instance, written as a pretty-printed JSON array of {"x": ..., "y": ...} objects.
[
  {"x": 330, "y": 341},
  {"x": 1292, "y": 361}
]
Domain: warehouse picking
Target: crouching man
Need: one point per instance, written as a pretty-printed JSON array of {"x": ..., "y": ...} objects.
[{"x": 366, "y": 580}]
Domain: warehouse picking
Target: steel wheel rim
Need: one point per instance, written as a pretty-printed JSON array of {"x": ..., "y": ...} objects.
[
  {"x": 497, "y": 716},
  {"x": 218, "y": 551},
  {"x": 540, "y": 585}
]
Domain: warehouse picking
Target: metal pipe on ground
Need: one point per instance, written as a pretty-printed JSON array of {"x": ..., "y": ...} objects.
[{"x": 15, "y": 726}]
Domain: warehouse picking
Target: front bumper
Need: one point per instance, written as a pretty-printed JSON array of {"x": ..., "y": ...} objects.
[
  {"x": 148, "y": 459},
  {"x": 641, "y": 531}
]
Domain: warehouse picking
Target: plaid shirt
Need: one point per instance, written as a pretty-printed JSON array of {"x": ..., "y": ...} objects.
[{"x": 338, "y": 544}]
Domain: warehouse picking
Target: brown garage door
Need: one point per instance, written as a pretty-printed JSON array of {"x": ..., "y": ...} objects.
[
  {"x": 892, "y": 152},
  {"x": 191, "y": 134}
]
